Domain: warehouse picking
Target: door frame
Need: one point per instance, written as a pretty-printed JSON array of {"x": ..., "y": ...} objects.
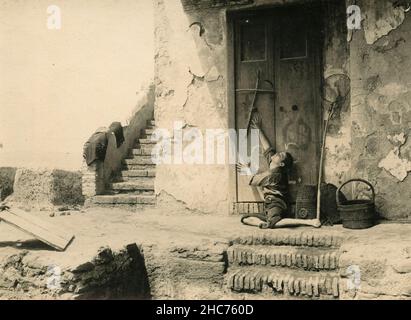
[{"x": 231, "y": 16}]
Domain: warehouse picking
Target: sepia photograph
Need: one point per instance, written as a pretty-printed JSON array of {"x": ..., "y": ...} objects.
[{"x": 225, "y": 151}]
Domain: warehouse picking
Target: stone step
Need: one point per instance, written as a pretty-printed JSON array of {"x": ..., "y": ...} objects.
[
  {"x": 151, "y": 122},
  {"x": 133, "y": 185},
  {"x": 139, "y": 160},
  {"x": 146, "y": 141},
  {"x": 138, "y": 173},
  {"x": 283, "y": 281},
  {"x": 292, "y": 238},
  {"x": 131, "y": 179},
  {"x": 314, "y": 259},
  {"x": 146, "y": 147},
  {"x": 127, "y": 167},
  {"x": 142, "y": 151},
  {"x": 125, "y": 199}
]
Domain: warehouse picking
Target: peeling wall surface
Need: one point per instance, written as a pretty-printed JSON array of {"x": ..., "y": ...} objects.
[
  {"x": 380, "y": 64},
  {"x": 190, "y": 79},
  {"x": 368, "y": 136}
]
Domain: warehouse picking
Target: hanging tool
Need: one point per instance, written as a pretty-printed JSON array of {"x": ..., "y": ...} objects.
[{"x": 335, "y": 93}]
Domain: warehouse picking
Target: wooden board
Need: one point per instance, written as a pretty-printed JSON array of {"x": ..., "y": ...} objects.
[{"x": 37, "y": 227}]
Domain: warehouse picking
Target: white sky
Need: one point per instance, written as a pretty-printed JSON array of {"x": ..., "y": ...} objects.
[{"x": 58, "y": 86}]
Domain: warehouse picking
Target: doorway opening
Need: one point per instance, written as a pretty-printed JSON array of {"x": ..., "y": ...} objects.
[{"x": 283, "y": 47}]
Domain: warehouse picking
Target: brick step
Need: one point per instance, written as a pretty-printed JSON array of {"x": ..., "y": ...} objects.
[
  {"x": 139, "y": 160},
  {"x": 127, "y": 167},
  {"x": 299, "y": 239},
  {"x": 283, "y": 281},
  {"x": 138, "y": 173},
  {"x": 125, "y": 199},
  {"x": 306, "y": 258},
  {"x": 133, "y": 185}
]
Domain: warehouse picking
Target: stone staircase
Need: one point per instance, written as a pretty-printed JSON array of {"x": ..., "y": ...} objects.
[
  {"x": 134, "y": 186},
  {"x": 285, "y": 266}
]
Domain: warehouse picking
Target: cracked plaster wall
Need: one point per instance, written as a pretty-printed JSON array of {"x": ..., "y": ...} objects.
[
  {"x": 380, "y": 64},
  {"x": 190, "y": 60}
]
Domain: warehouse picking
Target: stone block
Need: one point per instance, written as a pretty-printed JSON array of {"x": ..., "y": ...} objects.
[{"x": 55, "y": 187}]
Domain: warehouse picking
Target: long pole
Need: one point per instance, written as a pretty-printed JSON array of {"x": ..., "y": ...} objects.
[{"x": 320, "y": 171}]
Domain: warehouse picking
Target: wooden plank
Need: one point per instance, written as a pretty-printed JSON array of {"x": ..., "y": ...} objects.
[
  {"x": 43, "y": 223},
  {"x": 38, "y": 228}
]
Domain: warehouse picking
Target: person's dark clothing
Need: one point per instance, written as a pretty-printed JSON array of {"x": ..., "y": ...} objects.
[
  {"x": 274, "y": 183},
  {"x": 95, "y": 148}
]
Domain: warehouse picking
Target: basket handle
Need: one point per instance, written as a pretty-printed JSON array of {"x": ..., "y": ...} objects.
[{"x": 353, "y": 180}]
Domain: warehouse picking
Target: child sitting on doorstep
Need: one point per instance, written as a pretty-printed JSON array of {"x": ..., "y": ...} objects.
[{"x": 274, "y": 186}]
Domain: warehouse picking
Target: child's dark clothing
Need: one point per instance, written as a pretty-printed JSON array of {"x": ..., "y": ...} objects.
[{"x": 274, "y": 183}]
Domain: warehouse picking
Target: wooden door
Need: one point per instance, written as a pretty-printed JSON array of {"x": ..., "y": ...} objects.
[{"x": 283, "y": 45}]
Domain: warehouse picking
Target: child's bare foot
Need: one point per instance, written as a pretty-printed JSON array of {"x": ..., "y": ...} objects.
[
  {"x": 315, "y": 223},
  {"x": 252, "y": 221}
]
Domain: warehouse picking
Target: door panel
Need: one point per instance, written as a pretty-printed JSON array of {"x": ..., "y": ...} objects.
[
  {"x": 297, "y": 108},
  {"x": 254, "y": 52}
]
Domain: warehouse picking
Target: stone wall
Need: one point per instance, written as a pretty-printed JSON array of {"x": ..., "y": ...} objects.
[{"x": 110, "y": 274}]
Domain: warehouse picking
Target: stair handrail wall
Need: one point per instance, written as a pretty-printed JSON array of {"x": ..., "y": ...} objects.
[{"x": 97, "y": 176}]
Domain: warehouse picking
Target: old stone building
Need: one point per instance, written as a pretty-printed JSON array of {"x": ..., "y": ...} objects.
[{"x": 206, "y": 58}]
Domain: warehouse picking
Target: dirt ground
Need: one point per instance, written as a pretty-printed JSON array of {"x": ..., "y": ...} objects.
[{"x": 384, "y": 250}]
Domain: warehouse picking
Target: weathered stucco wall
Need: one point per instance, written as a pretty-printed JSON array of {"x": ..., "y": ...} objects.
[
  {"x": 381, "y": 113},
  {"x": 337, "y": 162},
  {"x": 190, "y": 79}
]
